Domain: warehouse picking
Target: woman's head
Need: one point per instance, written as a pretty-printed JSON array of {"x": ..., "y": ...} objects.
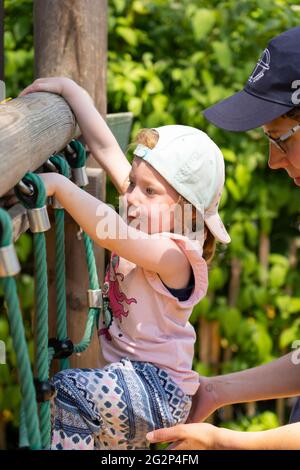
[{"x": 284, "y": 150}]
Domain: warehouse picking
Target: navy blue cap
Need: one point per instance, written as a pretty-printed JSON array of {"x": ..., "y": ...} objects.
[{"x": 272, "y": 90}]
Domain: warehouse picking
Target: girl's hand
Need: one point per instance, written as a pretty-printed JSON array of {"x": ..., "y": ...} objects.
[
  {"x": 187, "y": 436},
  {"x": 58, "y": 85}
]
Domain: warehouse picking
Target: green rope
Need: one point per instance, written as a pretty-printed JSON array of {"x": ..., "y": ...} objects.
[
  {"x": 60, "y": 262},
  {"x": 80, "y": 159},
  {"x": 93, "y": 313},
  {"x": 41, "y": 300},
  {"x": 30, "y": 410},
  {"x": 23, "y": 435}
]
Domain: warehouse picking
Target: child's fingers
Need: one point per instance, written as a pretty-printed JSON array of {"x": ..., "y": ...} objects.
[
  {"x": 40, "y": 84},
  {"x": 29, "y": 89}
]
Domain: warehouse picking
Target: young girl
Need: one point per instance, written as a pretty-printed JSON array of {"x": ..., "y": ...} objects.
[{"x": 156, "y": 275}]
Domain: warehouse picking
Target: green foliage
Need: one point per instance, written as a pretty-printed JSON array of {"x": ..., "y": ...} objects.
[
  {"x": 261, "y": 422},
  {"x": 18, "y": 45}
]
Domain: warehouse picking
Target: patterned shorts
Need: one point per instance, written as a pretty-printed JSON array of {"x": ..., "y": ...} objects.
[{"x": 114, "y": 407}]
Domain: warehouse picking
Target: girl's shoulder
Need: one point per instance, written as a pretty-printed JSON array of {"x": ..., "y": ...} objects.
[{"x": 198, "y": 284}]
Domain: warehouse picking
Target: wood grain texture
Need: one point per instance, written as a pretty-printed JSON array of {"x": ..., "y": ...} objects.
[{"x": 32, "y": 128}]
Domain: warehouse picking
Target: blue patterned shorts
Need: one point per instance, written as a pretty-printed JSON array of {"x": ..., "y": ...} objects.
[{"x": 114, "y": 407}]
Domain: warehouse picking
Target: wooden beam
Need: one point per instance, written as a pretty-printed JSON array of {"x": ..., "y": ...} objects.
[{"x": 31, "y": 129}]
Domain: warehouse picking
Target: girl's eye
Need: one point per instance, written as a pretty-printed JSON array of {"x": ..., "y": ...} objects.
[{"x": 150, "y": 191}]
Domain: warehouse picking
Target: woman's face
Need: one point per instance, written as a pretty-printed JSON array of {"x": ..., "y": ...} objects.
[
  {"x": 149, "y": 200},
  {"x": 290, "y": 159}
]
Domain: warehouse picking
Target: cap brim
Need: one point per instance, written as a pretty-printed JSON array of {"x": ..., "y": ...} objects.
[
  {"x": 216, "y": 226},
  {"x": 244, "y": 111}
]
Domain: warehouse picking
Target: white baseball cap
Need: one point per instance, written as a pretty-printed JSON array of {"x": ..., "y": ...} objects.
[{"x": 194, "y": 166}]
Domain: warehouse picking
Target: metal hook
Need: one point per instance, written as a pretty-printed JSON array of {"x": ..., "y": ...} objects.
[
  {"x": 25, "y": 189},
  {"x": 71, "y": 151},
  {"x": 51, "y": 166}
]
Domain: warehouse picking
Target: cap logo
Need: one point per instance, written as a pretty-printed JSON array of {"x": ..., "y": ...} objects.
[
  {"x": 296, "y": 94},
  {"x": 261, "y": 67}
]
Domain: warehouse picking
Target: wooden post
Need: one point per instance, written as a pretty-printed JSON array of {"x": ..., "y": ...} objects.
[
  {"x": 71, "y": 40},
  {"x": 1, "y": 40}
]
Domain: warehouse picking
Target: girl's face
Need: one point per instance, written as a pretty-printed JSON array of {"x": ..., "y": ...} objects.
[{"x": 149, "y": 199}]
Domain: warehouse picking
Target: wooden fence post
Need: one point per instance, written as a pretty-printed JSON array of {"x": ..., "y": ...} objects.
[
  {"x": 71, "y": 40},
  {"x": 1, "y": 40}
]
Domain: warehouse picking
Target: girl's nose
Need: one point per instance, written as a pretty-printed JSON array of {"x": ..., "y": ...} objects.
[
  {"x": 277, "y": 159},
  {"x": 133, "y": 196}
]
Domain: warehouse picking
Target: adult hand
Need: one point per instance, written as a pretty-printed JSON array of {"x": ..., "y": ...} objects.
[
  {"x": 187, "y": 436},
  {"x": 205, "y": 401}
]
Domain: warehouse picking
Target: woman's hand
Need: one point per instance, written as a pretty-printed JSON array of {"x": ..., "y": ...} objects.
[
  {"x": 205, "y": 401},
  {"x": 187, "y": 436},
  {"x": 58, "y": 85}
]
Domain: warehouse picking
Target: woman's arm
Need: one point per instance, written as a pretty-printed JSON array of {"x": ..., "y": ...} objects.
[
  {"x": 95, "y": 131},
  {"x": 277, "y": 379},
  {"x": 109, "y": 230},
  {"x": 205, "y": 436}
]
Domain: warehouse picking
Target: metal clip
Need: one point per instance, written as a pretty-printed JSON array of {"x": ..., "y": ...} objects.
[
  {"x": 38, "y": 219},
  {"x": 94, "y": 297},
  {"x": 51, "y": 166},
  {"x": 80, "y": 177},
  {"x": 70, "y": 150},
  {"x": 79, "y": 234},
  {"x": 9, "y": 263},
  {"x": 26, "y": 188}
]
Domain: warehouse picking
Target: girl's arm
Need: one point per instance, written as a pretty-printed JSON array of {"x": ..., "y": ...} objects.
[
  {"x": 109, "y": 230},
  {"x": 279, "y": 378},
  {"x": 95, "y": 131},
  {"x": 205, "y": 436}
]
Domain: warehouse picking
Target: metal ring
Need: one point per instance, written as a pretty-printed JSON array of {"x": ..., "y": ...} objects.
[
  {"x": 94, "y": 297},
  {"x": 9, "y": 263}
]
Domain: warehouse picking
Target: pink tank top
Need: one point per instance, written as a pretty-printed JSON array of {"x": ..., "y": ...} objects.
[{"x": 143, "y": 321}]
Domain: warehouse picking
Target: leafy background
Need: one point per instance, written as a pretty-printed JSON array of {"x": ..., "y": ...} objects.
[{"x": 168, "y": 60}]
